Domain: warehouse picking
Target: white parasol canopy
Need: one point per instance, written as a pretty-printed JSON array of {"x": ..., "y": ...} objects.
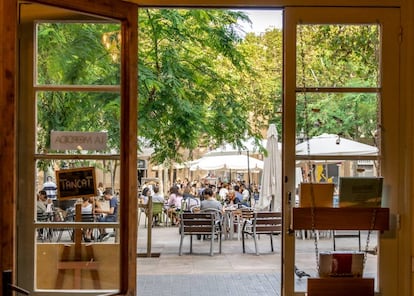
[
  {"x": 271, "y": 187},
  {"x": 250, "y": 146},
  {"x": 329, "y": 144},
  {"x": 229, "y": 162}
]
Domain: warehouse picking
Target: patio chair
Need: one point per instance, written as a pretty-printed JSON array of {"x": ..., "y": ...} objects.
[
  {"x": 157, "y": 213},
  {"x": 269, "y": 223},
  {"x": 94, "y": 232},
  {"x": 44, "y": 233},
  {"x": 243, "y": 214},
  {"x": 199, "y": 224}
]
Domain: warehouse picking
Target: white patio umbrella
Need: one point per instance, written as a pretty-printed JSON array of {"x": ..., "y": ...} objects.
[
  {"x": 271, "y": 187},
  {"x": 329, "y": 144},
  {"x": 228, "y": 162},
  {"x": 250, "y": 146}
]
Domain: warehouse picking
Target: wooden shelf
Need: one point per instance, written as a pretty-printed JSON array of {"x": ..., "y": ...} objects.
[
  {"x": 340, "y": 286},
  {"x": 341, "y": 218}
]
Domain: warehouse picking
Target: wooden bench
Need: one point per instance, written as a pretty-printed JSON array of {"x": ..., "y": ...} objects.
[
  {"x": 200, "y": 224},
  {"x": 262, "y": 223}
]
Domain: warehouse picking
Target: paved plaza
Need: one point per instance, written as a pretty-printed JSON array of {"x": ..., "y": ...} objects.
[{"x": 228, "y": 273}]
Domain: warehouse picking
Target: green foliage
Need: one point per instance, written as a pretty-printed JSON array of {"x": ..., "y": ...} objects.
[
  {"x": 200, "y": 83},
  {"x": 189, "y": 81},
  {"x": 338, "y": 56}
]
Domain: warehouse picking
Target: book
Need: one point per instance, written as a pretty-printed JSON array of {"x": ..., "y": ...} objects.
[
  {"x": 360, "y": 191},
  {"x": 322, "y": 193},
  {"x": 341, "y": 264}
]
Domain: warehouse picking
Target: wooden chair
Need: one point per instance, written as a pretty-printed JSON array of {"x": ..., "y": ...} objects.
[
  {"x": 262, "y": 223},
  {"x": 199, "y": 224},
  {"x": 243, "y": 214}
]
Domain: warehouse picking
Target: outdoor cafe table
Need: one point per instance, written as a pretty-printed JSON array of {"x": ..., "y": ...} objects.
[{"x": 231, "y": 215}]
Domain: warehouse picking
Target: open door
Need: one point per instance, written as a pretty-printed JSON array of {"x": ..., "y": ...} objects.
[
  {"x": 54, "y": 255},
  {"x": 341, "y": 71}
]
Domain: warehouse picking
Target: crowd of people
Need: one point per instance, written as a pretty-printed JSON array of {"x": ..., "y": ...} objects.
[
  {"x": 199, "y": 195},
  {"x": 48, "y": 206}
]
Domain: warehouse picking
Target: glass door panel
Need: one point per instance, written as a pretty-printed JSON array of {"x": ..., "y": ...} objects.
[
  {"x": 338, "y": 96},
  {"x": 72, "y": 118}
]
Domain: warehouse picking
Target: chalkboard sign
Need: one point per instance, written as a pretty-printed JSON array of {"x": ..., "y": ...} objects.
[{"x": 75, "y": 183}]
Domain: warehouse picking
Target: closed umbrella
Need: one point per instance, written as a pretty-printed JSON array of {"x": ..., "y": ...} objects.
[{"x": 271, "y": 189}]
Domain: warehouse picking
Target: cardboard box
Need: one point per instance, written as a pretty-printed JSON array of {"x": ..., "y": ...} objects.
[
  {"x": 321, "y": 192},
  {"x": 341, "y": 264}
]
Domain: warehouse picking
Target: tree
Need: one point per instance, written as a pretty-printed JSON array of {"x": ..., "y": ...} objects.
[
  {"x": 338, "y": 56},
  {"x": 264, "y": 86},
  {"x": 74, "y": 54},
  {"x": 190, "y": 74}
]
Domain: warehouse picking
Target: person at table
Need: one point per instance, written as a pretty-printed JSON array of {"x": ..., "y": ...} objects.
[
  {"x": 41, "y": 203},
  {"x": 245, "y": 194},
  {"x": 110, "y": 215},
  {"x": 87, "y": 209},
  {"x": 146, "y": 192},
  {"x": 174, "y": 204},
  {"x": 231, "y": 198},
  {"x": 157, "y": 196},
  {"x": 239, "y": 195},
  {"x": 224, "y": 190},
  {"x": 210, "y": 202},
  {"x": 191, "y": 201}
]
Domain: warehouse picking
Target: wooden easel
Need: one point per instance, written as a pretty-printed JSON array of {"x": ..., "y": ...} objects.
[{"x": 76, "y": 263}]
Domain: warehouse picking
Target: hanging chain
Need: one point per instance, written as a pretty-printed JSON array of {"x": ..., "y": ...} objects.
[
  {"x": 373, "y": 220},
  {"x": 378, "y": 132},
  {"x": 306, "y": 131},
  {"x": 378, "y": 142}
]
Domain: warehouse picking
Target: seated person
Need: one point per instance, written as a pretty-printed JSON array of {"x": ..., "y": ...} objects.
[
  {"x": 232, "y": 198},
  {"x": 110, "y": 215},
  {"x": 87, "y": 209},
  {"x": 157, "y": 197},
  {"x": 146, "y": 193},
  {"x": 41, "y": 203},
  {"x": 191, "y": 201},
  {"x": 210, "y": 202},
  {"x": 174, "y": 204}
]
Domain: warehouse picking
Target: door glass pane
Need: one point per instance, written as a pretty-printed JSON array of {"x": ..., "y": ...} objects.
[
  {"x": 350, "y": 115},
  {"x": 94, "y": 112},
  {"x": 338, "y": 55},
  {"x": 78, "y": 54},
  {"x": 337, "y": 135},
  {"x": 77, "y": 156}
]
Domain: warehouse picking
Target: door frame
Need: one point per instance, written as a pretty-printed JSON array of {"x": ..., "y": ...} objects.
[
  {"x": 126, "y": 14},
  {"x": 389, "y": 19},
  {"x": 394, "y": 144}
]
